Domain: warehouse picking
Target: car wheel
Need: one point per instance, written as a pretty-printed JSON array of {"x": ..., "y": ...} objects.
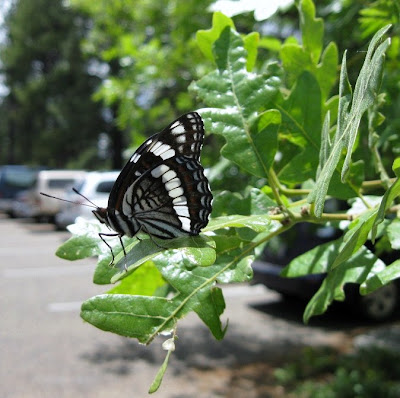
[{"x": 380, "y": 304}]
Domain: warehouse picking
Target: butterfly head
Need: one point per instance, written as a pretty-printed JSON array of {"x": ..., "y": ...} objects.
[{"x": 101, "y": 214}]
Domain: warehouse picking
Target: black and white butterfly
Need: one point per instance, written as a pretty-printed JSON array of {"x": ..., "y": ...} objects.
[{"x": 162, "y": 190}]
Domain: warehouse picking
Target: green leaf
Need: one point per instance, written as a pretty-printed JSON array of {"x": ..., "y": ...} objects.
[
  {"x": 255, "y": 202},
  {"x": 235, "y": 96},
  {"x": 211, "y": 308},
  {"x": 390, "y": 195},
  {"x": 312, "y": 29},
  {"x": 393, "y": 233},
  {"x": 270, "y": 43},
  {"x": 297, "y": 59},
  {"x": 365, "y": 92},
  {"x": 316, "y": 261},
  {"x": 139, "y": 317},
  {"x": 78, "y": 247},
  {"x": 155, "y": 385},
  {"x": 206, "y": 38},
  {"x": 258, "y": 223},
  {"x": 326, "y": 144},
  {"x": 85, "y": 241},
  {"x": 396, "y": 167},
  {"x": 145, "y": 281},
  {"x": 197, "y": 292},
  {"x": 382, "y": 278},
  {"x": 326, "y": 70},
  {"x": 360, "y": 267},
  {"x": 250, "y": 42},
  {"x": 197, "y": 250},
  {"x": 354, "y": 182},
  {"x": 356, "y": 236},
  {"x": 264, "y": 133},
  {"x": 301, "y": 120}
]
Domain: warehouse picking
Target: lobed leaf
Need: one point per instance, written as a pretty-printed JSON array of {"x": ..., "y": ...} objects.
[
  {"x": 315, "y": 261},
  {"x": 312, "y": 29},
  {"x": 301, "y": 121},
  {"x": 360, "y": 267},
  {"x": 206, "y": 38},
  {"x": 235, "y": 97},
  {"x": 197, "y": 250},
  {"x": 296, "y": 58}
]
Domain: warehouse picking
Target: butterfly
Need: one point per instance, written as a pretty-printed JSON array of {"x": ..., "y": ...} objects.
[{"x": 162, "y": 190}]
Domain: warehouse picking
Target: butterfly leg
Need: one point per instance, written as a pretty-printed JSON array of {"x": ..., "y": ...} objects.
[
  {"x": 123, "y": 248},
  {"x": 102, "y": 234}
]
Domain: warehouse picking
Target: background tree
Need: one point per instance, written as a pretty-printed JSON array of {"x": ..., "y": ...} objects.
[
  {"x": 48, "y": 115},
  {"x": 150, "y": 53}
]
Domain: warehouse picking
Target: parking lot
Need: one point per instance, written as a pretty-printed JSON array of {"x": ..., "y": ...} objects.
[{"x": 46, "y": 349}]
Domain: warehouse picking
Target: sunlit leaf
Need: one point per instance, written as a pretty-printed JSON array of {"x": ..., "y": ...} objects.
[
  {"x": 235, "y": 97},
  {"x": 392, "y": 193},
  {"x": 360, "y": 267},
  {"x": 145, "y": 281},
  {"x": 393, "y": 233},
  {"x": 365, "y": 92},
  {"x": 382, "y": 278},
  {"x": 206, "y": 38},
  {"x": 258, "y": 223}
]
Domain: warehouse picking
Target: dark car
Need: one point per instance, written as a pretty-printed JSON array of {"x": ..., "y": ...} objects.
[
  {"x": 14, "y": 179},
  {"x": 377, "y": 306}
]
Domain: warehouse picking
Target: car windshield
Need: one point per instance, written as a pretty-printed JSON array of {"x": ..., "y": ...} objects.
[
  {"x": 58, "y": 183},
  {"x": 105, "y": 187},
  {"x": 20, "y": 178}
]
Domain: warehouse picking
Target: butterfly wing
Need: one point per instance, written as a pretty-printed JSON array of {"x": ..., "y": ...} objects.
[{"x": 163, "y": 188}]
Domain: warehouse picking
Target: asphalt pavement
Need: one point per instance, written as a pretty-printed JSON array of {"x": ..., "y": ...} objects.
[{"x": 47, "y": 351}]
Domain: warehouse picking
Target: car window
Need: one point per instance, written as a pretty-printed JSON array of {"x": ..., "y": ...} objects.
[
  {"x": 58, "y": 183},
  {"x": 105, "y": 186},
  {"x": 19, "y": 178}
]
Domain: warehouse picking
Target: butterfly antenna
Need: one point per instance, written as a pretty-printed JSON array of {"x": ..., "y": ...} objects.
[
  {"x": 71, "y": 201},
  {"x": 84, "y": 197}
]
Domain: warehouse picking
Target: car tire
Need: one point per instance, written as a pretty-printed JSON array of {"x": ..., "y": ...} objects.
[{"x": 380, "y": 304}]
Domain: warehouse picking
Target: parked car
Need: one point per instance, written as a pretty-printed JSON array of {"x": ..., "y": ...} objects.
[
  {"x": 14, "y": 179},
  {"x": 96, "y": 186},
  {"x": 377, "y": 306},
  {"x": 21, "y": 206},
  {"x": 51, "y": 182}
]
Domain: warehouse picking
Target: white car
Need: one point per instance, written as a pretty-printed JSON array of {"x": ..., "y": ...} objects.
[
  {"x": 51, "y": 182},
  {"x": 96, "y": 186}
]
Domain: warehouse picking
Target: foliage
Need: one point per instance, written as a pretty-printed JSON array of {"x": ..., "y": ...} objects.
[
  {"x": 151, "y": 57},
  {"x": 48, "y": 108},
  {"x": 369, "y": 372},
  {"x": 298, "y": 145}
]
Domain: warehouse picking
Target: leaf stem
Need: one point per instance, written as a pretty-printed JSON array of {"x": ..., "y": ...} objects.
[
  {"x": 297, "y": 217},
  {"x": 275, "y": 186},
  {"x": 374, "y": 184},
  {"x": 286, "y": 191}
]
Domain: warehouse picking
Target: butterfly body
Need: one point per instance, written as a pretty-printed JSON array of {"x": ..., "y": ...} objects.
[{"x": 162, "y": 190}]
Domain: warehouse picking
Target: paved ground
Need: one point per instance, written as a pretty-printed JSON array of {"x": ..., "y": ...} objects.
[{"x": 47, "y": 351}]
